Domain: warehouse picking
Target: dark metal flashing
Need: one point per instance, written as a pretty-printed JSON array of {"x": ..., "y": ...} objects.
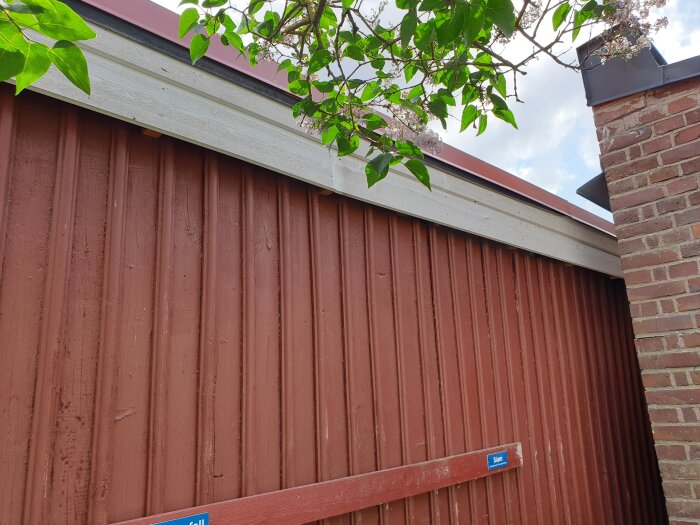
[
  {"x": 596, "y": 191},
  {"x": 618, "y": 78},
  {"x": 121, "y": 27}
]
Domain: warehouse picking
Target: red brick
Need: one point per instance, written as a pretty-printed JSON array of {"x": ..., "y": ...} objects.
[
  {"x": 663, "y": 324},
  {"x": 681, "y": 153},
  {"x": 692, "y": 166},
  {"x": 690, "y": 341},
  {"x": 660, "y": 273},
  {"x": 679, "y": 508},
  {"x": 633, "y": 262},
  {"x": 656, "y": 145},
  {"x": 674, "y": 396},
  {"x": 631, "y": 168},
  {"x": 669, "y": 124},
  {"x": 691, "y": 216},
  {"x": 649, "y": 344},
  {"x": 677, "y": 433},
  {"x": 663, "y": 173},
  {"x": 651, "y": 226},
  {"x": 663, "y": 415},
  {"x": 694, "y": 454},
  {"x": 634, "y": 152},
  {"x": 692, "y": 116},
  {"x": 684, "y": 269},
  {"x": 676, "y": 489},
  {"x": 623, "y": 217},
  {"x": 636, "y": 198},
  {"x": 670, "y": 204},
  {"x": 694, "y": 285},
  {"x": 667, "y": 306},
  {"x": 688, "y": 302},
  {"x": 652, "y": 241},
  {"x": 674, "y": 521},
  {"x": 656, "y": 291},
  {"x": 645, "y": 309},
  {"x": 689, "y": 415},
  {"x": 687, "y": 134},
  {"x": 681, "y": 379},
  {"x": 682, "y": 185},
  {"x": 617, "y": 109},
  {"x": 658, "y": 380},
  {"x": 675, "y": 88},
  {"x": 638, "y": 277},
  {"x": 673, "y": 237},
  {"x": 621, "y": 186},
  {"x": 651, "y": 115},
  {"x": 648, "y": 212},
  {"x": 672, "y": 453},
  {"x": 696, "y": 231},
  {"x": 627, "y": 138},
  {"x": 694, "y": 198},
  {"x": 630, "y": 245},
  {"x": 691, "y": 249},
  {"x": 613, "y": 159},
  {"x": 681, "y": 104},
  {"x": 650, "y": 361}
]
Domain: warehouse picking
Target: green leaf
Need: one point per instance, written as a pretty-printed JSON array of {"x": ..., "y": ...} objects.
[
  {"x": 579, "y": 19},
  {"x": 354, "y": 52},
  {"x": 11, "y": 38},
  {"x": 474, "y": 16},
  {"x": 346, "y": 145},
  {"x": 408, "y": 148},
  {"x": 374, "y": 121},
  {"x": 11, "y": 63},
  {"x": 347, "y": 4},
  {"x": 70, "y": 61},
  {"x": 408, "y": 28},
  {"x": 188, "y": 19},
  {"x": 319, "y": 60},
  {"x": 198, "y": 47},
  {"x": 502, "y": 13},
  {"x": 483, "y": 121},
  {"x": 506, "y": 115},
  {"x": 499, "y": 82},
  {"x": 328, "y": 135},
  {"x": 377, "y": 168},
  {"x": 59, "y": 21},
  {"x": 234, "y": 40},
  {"x": 559, "y": 15},
  {"x": 425, "y": 35},
  {"x": 469, "y": 115},
  {"x": 417, "y": 167},
  {"x": 36, "y": 65},
  {"x": 214, "y": 3}
]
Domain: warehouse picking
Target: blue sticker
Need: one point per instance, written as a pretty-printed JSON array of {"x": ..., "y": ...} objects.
[
  {"x": 497, "y": 460},
  {"x": 197, "y": 519}
]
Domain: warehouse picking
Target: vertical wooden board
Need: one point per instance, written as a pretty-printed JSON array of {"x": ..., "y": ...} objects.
[
  {"x": 332, "y": 415},
  {"x": 298, "y": 394},
  {"x": 130, "y": 466},
  {"x": 262, "y": 457},
  {"x": 484, "y": 368},
  {"x": 356, "y": 342},
  {"x": 524, "y": 480},
  {"x": 184, "y": 324},
  {"x": 448, "y": 363},
  {"x": 72, "y": 443},
  {"x": 556, "y": 390},
  {"x": 537, "y": 464},
  {"x": 408, "y": 358},
  {"x": 500, "y": 370},
  {"x": 227, "y": 393},
  {"x": 435, "y": 435},
  {"x": 384, "y": 354},
  {"x": 460, "y": 286},
  {"x": 28, "y": 216}
]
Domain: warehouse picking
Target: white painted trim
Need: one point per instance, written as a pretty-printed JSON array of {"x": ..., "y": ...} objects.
[{"x": 140, "y": 85}]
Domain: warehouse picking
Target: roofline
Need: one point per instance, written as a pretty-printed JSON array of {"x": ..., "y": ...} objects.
[
  {"x": 617, "y": 78},
  {"x": 163, "y": 23}
]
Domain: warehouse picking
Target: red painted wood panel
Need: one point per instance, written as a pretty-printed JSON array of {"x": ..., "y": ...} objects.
[{"x": 179, "y": 328}]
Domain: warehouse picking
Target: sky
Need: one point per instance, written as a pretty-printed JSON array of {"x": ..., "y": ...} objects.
[{"x": 555, "y": 145}]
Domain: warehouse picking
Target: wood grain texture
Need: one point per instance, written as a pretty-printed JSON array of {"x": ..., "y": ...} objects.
[{"x": 221, "y": 331}]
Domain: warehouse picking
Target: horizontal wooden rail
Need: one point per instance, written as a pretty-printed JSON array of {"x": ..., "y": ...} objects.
[{"x": 333, "y": 498}]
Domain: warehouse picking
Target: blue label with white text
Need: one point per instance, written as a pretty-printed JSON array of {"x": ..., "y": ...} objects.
[
  {"x": 197, "y": 519},
  {"x": 497, "y": 460}
]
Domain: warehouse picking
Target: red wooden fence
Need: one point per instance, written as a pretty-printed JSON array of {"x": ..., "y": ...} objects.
[{"x": 178, "y": 328}]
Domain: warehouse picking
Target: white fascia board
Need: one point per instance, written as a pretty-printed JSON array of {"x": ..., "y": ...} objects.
[{"x": 142, "y": 86}]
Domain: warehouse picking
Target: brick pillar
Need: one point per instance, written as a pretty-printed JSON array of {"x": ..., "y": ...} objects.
[{"x": 650, "y": 154}]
